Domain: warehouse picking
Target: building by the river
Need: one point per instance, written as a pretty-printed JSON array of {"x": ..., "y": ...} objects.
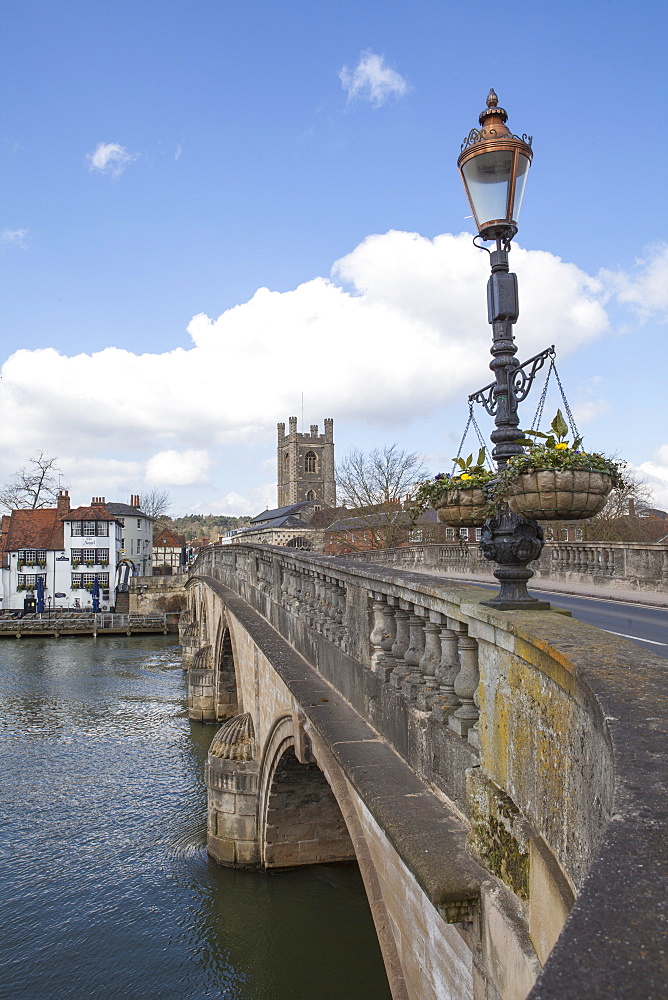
[{"x": 71, "y": 548}]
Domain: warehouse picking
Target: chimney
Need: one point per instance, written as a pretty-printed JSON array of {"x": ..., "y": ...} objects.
[
  {"x": 63, "y": 502},
  {"x": 632, "y": 507},
  {"x": 98, "y": 502},
  {"x": 134, "y": 500}
]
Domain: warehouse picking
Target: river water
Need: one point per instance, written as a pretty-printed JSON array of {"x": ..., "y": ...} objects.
[{"x": 106, "y": 889}]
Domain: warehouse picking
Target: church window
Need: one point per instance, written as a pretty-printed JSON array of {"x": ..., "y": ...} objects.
[
  {"x": 310, "y": 495},
  {"x": 309, "y": 461},
  {"x": 286, "y": 460}
]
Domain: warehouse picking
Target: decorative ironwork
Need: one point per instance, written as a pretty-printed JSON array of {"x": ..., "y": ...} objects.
[
  {"x": 482, "y": 134},
  {"x": 519, "y": 382}
]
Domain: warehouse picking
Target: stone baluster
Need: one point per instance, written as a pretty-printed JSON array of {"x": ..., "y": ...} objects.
[
  {"x": 309, "y": 597},
  {"x": 400, "y": 645},
  {"x": 430, "y": 662},
  {"x": 466, "y": 682},
  {"x": 343, "y": 607},
  {"x": 285, "y": 587},
  {"x": 295, "y": 590},
  {"x": 448, "y": 669},
  {"x": 321, "y": 603},
  {"x": 388, "y": 662},
  {"x": 378, "y": 631},
  {"x": 303, "y": 595},
  {"x": 330, "y": 609},
  {"x": 414, "y": 679}
]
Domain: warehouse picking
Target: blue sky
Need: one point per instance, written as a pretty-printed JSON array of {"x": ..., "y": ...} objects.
[{"x": 161, "y": 163}]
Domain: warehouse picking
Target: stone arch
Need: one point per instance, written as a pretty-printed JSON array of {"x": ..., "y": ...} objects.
[
  {"x": 299, "y": 542},
  {"x": 226, "y": 688},
  {"x": 310, "y": 462},
  {"x": 300, "y": 819}
]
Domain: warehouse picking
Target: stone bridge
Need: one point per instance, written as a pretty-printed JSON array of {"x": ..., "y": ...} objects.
[{"x": 494, "y": 774}]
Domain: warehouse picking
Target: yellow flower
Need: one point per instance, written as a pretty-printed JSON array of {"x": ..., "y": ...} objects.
[
  {"x": 561, "y": 446},
  {"x": 465, "y": 475}
]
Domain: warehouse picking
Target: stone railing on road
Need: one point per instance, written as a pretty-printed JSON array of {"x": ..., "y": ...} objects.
[{"x": 616, "y": 565}]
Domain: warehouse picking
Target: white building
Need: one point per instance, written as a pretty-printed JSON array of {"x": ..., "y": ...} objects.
[
  {"x": 137, "y": 536},
  {"x": 69, "y": 549}
]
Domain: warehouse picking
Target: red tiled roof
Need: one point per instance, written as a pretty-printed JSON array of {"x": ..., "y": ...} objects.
[
  {"x": 168, "y": 539},
  {"x": 33, "y": 529},
  {"x": 88, "y": 514}
]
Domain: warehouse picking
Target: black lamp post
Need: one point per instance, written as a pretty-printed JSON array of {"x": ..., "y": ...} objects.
[{"x": 494, "y": 165}]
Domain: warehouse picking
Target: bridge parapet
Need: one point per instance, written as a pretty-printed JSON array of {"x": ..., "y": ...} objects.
[{"x": 539, "y": 729}]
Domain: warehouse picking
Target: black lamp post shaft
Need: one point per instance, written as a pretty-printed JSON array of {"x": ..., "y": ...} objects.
[{"x": 507, "y": 539}]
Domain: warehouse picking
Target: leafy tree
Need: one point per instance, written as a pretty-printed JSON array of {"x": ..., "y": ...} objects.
[
  {"x": 374, "y": 486},
  {"x": 33, "y": 487}
]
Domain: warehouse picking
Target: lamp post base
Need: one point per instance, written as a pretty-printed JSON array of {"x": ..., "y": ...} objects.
[{"x": 513, "y": 542}]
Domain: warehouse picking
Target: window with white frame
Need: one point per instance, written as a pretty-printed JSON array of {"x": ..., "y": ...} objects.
[
  {"x": 464, "y": 534},
  {"x": 102, "y": 528},
  {"x": 89, "y": 527},
  {"x": 450, "y": 534},
  {"x": 578, "y": 535},
  {"x": 139, "y": 522},
  {"x": 28, "y": 581},
  {"x": 478, "y": 534},
  {"x": 77, "y": 527}
]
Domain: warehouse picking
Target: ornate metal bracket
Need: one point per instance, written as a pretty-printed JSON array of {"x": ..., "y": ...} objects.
[
  {"x": 520, "y": 381},
  {"x": 478, "y": 134}
]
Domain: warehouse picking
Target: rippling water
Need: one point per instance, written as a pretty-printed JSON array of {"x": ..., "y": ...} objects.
[{"x": 105, "y": 886}]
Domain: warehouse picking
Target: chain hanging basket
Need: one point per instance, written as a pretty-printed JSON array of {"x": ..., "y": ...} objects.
[
  {"x": 558, "y": 494},
  {"x": 462, "y": 508}
]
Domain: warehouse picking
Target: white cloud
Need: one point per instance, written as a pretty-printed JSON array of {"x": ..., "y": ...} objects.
[
  {"x": 14, "y": 237},
  {"x": 174, "y": 468},
  {"x": 646, "y": 289},
  {"x": 655, "y": 474},
  {"x": 110, "y": 158},
  {"x": 372, "y": 80},
  {"x": 398, "y": 333}
]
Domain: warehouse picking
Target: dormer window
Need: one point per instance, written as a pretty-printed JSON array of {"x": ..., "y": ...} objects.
[{"x": 310, "y": 461}]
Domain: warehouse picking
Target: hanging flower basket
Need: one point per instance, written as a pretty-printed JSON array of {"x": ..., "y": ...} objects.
[
  {"x": 462, "y": 508},
  {"x": 556, "y": 481},
  {"x": 462, "y": 500},
  {"x": 559, "y": 494}
]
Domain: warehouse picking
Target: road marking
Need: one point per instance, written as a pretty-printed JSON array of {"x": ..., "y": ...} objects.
[
  {"x": 600, "y": 600},
  {"x": 638, "y": 638}
]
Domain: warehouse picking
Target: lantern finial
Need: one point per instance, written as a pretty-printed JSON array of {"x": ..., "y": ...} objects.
[{"x": 492, "y": 99}]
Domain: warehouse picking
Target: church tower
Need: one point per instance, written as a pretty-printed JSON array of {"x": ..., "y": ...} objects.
[{"x": 306, "y": 465}]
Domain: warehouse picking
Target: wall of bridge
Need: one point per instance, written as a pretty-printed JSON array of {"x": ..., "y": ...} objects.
[
  {"x": 493, "y": 770},
  {"x": 617, "y": 565}
]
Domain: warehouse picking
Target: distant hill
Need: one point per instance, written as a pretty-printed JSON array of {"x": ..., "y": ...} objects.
[{"x": 196, "y": 526}]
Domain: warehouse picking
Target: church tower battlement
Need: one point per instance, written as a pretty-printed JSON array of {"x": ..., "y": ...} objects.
[{"x": 306, "y": 465}]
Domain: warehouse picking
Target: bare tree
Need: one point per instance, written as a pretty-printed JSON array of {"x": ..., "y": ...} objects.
[
  {"x": 374, "y": 486},
  {"x": 156, "y": 503},
  {"x": 33, "y": 487},
  {"x": 619, "y": 521}
]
